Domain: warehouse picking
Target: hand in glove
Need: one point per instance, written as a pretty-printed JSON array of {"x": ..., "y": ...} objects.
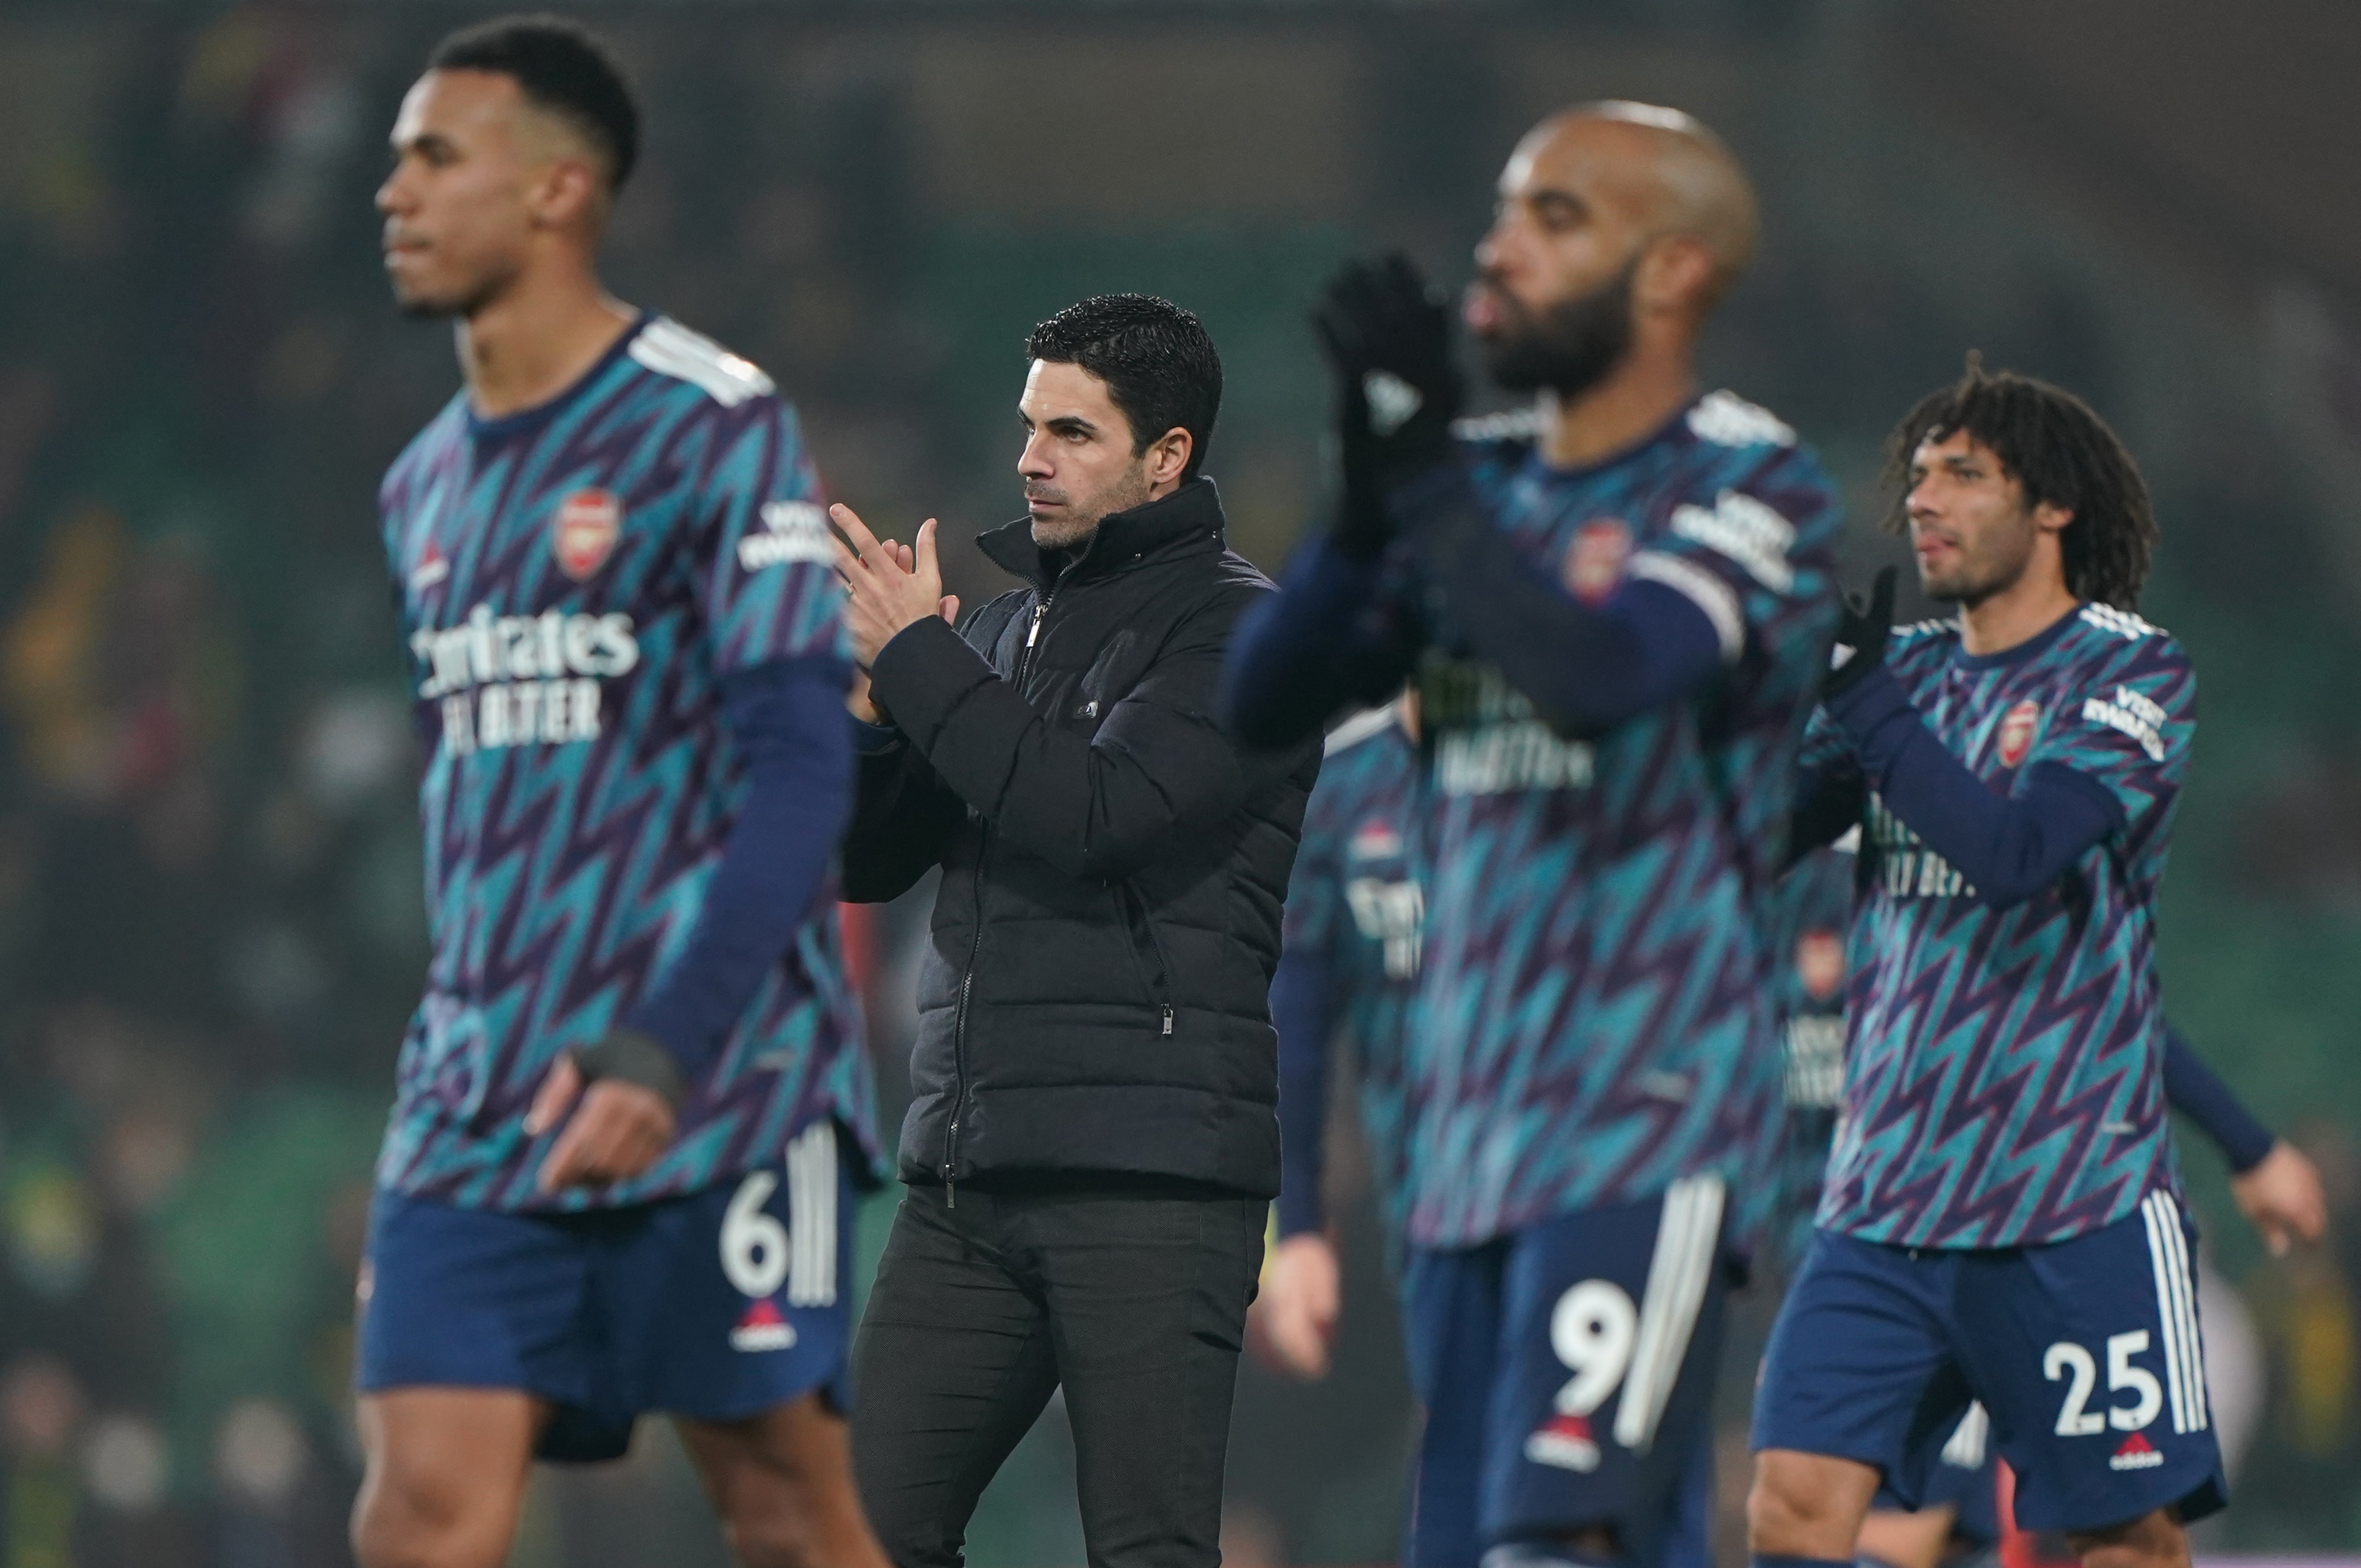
[
  {"x": 1388, "y": 340},
  {"x": 1862, "y": 630}
]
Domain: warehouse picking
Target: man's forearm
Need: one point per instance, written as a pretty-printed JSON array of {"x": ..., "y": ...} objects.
[
  {"x": 1327, "y": 639},
  {"x": 1300, "y": 1009},
  {"x": 1585, "y": 667},
  {"x": 788, "y": 720},
  {"x": 2009, "y": 847},
  {"x": 1157, "y": 769},
  {"x": 2198, "y": 1094}
]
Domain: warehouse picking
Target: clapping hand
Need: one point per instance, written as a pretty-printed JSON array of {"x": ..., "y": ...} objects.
[{"x": 889, "y": 587}]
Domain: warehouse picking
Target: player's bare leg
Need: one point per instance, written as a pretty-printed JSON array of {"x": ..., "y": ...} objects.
[
  {"x": 2153, "y": 1541},
  {"x": 1902, "y": 1539},
  {"x": 1807, "y": 1505},
  {"x": 781, "y": 1483},
  {"x": 447, "y": 1475}
]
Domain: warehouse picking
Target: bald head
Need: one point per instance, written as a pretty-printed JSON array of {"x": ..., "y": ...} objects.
[
  {"x": 1619, "y": 226},
  {"x": 1671, "y": 175}
]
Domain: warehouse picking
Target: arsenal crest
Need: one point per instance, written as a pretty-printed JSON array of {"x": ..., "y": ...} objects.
[
  {"x": 584, "y": 532},
  {"x": 2016, "y": 726},
  {"x": 1820, "y": 963},
  {"x": 1594, "y": 562}
]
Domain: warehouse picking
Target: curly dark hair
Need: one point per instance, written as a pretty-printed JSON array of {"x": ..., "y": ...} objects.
[
  {"x": 2061, "y": 452},
  {"x": 564, "y": 69},
  {"x": 1156, "y": 359}
]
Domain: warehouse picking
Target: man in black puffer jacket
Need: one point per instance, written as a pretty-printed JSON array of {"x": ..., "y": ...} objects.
[{"x": 1092, "y": 1142}]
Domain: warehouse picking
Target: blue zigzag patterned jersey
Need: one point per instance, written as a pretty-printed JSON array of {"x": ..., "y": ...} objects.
[
  {"x": 1354, "y": 895},
  {"x": 1811, "y": 915},
  {"x": 1595, "y": 1020},
  {"x": 575, "y": 582},
  {"x": 2004, "y": 1080}
]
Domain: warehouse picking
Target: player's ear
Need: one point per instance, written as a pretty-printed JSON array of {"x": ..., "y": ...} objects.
[
  {"x": 1675, "y": 275},
  {"x": 568, "y": 190},
  {"x": 1168, "y": 455},
  {"x": 2051, "y": 518}
]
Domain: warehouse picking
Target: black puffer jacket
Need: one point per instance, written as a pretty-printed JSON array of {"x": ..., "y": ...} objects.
[{"x": 1112, "y": 862}]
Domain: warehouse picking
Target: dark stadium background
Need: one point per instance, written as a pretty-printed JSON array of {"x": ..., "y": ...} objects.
[{"x": 209, "y": 926}]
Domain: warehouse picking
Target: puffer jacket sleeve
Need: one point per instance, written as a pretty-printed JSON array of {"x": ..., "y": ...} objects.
[
  {"x": 1158, "y": 769},
  {"x": 903, "y": 820}
]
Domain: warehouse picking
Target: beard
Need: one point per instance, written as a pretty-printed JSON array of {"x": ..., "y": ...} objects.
[
  {"x": 1082, "y": 518},
  {"x": 1976, "y": 577},
  {"x": 1568, "y": 347}
]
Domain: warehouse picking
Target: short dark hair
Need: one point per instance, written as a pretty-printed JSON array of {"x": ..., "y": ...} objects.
[
  {"x": 562, "y": 67},
  {"x": 2061, "y": 452},
  {"x": 1157, "y": 361}
]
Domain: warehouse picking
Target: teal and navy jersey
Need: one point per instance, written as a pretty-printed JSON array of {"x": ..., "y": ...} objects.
[
  {"x": 2003, "y": 1082},
  {"x": 575, "y": 582},
  {"x": 1595, "y": 1018},
  {"x": 1355, "y": 901},
  {"x": 1811, "y": 915}
]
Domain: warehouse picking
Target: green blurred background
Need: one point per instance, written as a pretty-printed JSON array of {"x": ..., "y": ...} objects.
[{"x": 209, "y": 923}]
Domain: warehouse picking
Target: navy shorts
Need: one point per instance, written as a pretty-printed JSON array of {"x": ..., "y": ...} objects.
[
  {"x": 1963, "y": 1475},
  {"x": 1566, "y": 1373},
  {"x": 715, "y": 1305},
  {"x": 2085, "y": 1352}
]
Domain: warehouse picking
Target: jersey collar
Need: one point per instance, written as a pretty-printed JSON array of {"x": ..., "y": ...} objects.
[
  {"x": 524, "y": 419},
  {"x": 2032, "y": 647}
]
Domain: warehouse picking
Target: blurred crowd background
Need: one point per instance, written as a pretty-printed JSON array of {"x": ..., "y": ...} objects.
[{"x": 210, "y": 921}]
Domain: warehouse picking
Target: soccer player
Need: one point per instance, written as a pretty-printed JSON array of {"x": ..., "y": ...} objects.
[
  {"x": 1616, "y": 628},
  {"x": 1348, "y": 974},
  {"x": 1958, "y": 1515},
  {"x": 2002, "y": 1221},
  {"x": 1347, "y": 968},
  {"x": 616, "y": 1175}
]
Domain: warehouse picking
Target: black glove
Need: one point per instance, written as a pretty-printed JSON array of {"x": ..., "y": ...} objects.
[
  {"x": 1863, "y": 628},
  {"x": 634, "y": 1057},
  {"x": 1387, "y": 338}
]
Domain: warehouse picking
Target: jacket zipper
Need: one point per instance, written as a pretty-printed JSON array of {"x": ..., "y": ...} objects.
[
  {"x": 1161, "y": 991},
  {"x": 975, "y": 944}
]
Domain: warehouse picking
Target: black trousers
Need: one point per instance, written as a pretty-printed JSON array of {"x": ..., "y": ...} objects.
[{"x": 1129, "y": 1292}]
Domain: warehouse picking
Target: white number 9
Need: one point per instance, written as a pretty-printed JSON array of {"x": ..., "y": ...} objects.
[
  {"x": 1591, "y": 1329},
  {"x": 753, "y": 1244}
]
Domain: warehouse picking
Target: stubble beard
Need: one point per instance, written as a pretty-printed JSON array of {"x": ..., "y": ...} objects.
[
  {"x": 1991, "y": 571},
  {"x": 1081, "y": 520},
  {"x": 1568, "y": 348}
]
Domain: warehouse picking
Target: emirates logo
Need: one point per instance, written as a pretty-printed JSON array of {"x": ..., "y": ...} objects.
[{"x": 583, "y": 535}]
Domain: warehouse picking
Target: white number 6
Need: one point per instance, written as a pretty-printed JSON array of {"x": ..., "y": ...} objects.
[
  {"x": 753, "y": 1244},
  {"x": 1591, "y": 1329}
]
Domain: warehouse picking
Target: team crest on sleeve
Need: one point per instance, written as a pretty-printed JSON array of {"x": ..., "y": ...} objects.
[
  {"x": 1820, "y": 963},
  {"x": 2016, "y": 728},
  {"x": 584, "y": 532},
  {"x": 1594, "y": 562}
]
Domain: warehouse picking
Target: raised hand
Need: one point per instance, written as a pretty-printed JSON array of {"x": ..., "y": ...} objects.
[
  {"x": 1387, "y": 338},
  {"x": 888, "y": 585},
  {"x": 1863, "y": 628}
]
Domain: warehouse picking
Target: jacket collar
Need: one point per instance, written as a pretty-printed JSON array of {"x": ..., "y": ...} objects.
[{"x": 1188, "y": 519}]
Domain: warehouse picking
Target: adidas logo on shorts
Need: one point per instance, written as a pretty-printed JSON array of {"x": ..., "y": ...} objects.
[
  {"x": 1565, "y": 1442},
  {"x": 763, "y": 1329},
  {"x": 2136, "y": 1453}
]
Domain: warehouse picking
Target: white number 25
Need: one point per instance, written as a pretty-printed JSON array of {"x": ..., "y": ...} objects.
[{"x": 2068, "y": 1360}]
